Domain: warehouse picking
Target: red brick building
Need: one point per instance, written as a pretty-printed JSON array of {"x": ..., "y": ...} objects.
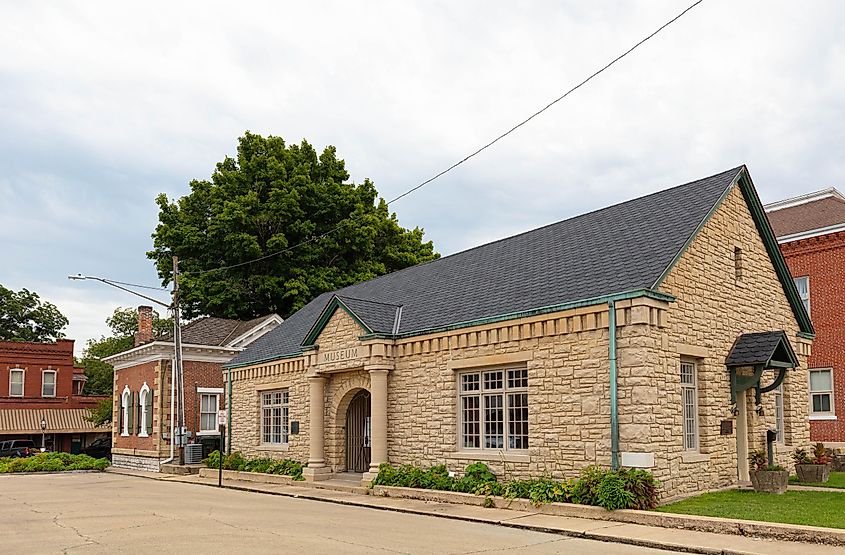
[
  {"x": 144, "y": 392},
  {"x": 38, "y": 382},
  {"x": 811, "y": 233}
]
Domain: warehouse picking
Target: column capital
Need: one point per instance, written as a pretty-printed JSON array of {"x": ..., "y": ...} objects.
[
  {"x": 316, "y": 377},
  {"x": 378, "y": 368}
]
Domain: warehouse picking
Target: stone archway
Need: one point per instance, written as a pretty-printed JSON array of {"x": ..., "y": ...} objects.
[
  {"x": 346, "y": 389},
  {"x": 357, "y": 433}
]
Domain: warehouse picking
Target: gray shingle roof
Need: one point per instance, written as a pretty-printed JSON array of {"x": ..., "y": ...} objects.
[
  {"x": 625, "y": 247},
  {"x": 751, "y": 349},
  {"x": 217, "y": 332}
]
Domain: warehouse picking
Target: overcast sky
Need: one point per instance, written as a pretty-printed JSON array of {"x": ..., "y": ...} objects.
[{"x": 104, "y": 105}]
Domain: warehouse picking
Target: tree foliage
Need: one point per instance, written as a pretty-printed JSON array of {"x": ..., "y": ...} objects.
[
  {"x": 123, "y": 323},
  {"x": 273, "y": 196},
  {"x": 25, "y": 317}
]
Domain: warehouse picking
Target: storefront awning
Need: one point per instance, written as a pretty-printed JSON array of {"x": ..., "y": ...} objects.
[{"x": 59, "y": 421}]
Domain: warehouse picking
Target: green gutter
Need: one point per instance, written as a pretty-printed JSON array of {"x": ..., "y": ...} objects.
[
  {"x": 634, "y": 294},
  {"x": 614, "y": 392},
  {"x": 229, "y": 414}
]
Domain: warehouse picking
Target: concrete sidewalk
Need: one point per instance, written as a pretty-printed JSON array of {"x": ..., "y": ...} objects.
[{"x": 633, "y": 534}]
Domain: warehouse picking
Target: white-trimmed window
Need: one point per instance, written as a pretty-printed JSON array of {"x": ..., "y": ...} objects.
[
  {"x": 48, "y": 383},
  {"x": 689, "y": 400},
  {"x": 494, "y": 409},
  {"x": 275, "y": 424},
  {"x": 209, "y": 405},
  {"x": 144, "y": 407},
  {"x": 16, "y": 378},
  {"x": 803, "y": 286},
  {"x": 821, "y": 394},
  {"x": 125, "y": 408},
  {"x": 779, "y": 421}
]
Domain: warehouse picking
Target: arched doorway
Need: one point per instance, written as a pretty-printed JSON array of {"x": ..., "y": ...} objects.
[{"x": 358, "y": 433}]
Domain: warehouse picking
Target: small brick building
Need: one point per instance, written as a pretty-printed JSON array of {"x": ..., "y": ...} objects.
[
  {"x": 38, "y": 381},
  {"x": 811, "y": 233},
  {"x": 142, "y": 427},
  {"x": 663, "y": 333}
]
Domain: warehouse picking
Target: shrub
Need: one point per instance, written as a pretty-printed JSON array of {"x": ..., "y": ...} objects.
[
  {"x": 758, "y": 460},
  {"x": 821, "y": 454},
  {"x": 52, "y": 462},
  {"x": 800, "y": 456},
  {"x": 643, "y": 488},
  {"x": 586, "y": 488},
  {"x": 236, "y": 461},
  {"x": 612, "y": 493},
  {"x": 546, "y": 490}
]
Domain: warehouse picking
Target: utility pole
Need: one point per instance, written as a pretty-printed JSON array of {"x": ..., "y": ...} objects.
[{"x": 177, "y": 371}]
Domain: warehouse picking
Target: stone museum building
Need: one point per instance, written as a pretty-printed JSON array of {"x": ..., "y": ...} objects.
[{"x": 664, "y": 333}]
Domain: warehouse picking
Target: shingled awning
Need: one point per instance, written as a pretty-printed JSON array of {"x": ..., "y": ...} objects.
[
  {"x": 771, "y": 349},
  {"x": 59, "y": 421}
]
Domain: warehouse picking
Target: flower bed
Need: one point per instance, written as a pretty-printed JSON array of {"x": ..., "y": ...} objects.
[
  {"x": 236, "y": 461},
  {"x": 622, "y": 489},
  {"x": 52, "y": 462}
]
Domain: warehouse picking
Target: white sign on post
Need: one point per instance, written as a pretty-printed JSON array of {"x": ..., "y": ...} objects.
[{"x": 221, "y": 417}]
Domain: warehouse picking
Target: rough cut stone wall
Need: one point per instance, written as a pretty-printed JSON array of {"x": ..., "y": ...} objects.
[
  {"x": 711, "y": 310},
  {"x": 136, "y": 463}
]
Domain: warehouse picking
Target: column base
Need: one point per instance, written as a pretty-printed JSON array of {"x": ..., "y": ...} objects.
[
  {"x": 316, "y": 473},
  {"x": 367, "y": 478}
]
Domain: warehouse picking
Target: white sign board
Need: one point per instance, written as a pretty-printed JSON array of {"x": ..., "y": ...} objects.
[{"x": 222, "y": 417}]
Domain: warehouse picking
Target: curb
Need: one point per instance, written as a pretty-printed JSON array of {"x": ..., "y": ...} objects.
[{"x": 587, "y": 535}]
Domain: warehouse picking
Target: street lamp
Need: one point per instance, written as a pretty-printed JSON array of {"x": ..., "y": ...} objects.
[
  {"x": 43, "y": 427},
  {"x": 178, "y": 376}
]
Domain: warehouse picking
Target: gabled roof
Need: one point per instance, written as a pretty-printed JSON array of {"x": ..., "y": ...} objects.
[
  {"x": 768, "y": 348},
  {"x": 623, "y": 249},
  {"x": 797, "y": 218},
  {"x": 217, "y": 332}
]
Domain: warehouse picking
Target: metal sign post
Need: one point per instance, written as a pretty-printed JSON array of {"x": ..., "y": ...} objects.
[{"x": 221, "y": 425}]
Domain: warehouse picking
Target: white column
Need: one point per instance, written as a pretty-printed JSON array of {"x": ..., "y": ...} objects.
[
  {"x": 378, "y": 414},
  {"x": 316, "y": 469}
]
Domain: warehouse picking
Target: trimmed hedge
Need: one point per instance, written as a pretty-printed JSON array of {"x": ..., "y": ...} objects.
[
  {"x": 52, "y": 462},
  {"x": 236, "y": 461},
  {"x": 622, "y": 489}
]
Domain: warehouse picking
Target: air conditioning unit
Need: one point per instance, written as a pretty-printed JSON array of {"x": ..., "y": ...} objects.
[{"x": 193, "y": 453}]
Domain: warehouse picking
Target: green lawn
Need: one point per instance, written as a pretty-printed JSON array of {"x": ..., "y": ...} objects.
[
  {"x": 837, "y": 480},
  {"x": 812, "y": 508}
]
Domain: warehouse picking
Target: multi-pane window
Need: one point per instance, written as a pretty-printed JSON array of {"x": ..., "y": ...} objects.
[
  {"x": 48, "y": 383},
  {"x": 821, "y": 392},
  {"x": 803, "y": 286},
  {"x": 779, "y": 424},
  {"x": 274, "y": 416},
  {"x": 16, "y": 382},
  {"x": 208, "y": 412},
  {"x": 494, "y": 409},
  {"x": 689, "y": 399}
]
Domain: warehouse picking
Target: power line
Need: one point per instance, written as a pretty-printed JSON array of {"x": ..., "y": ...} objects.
[
  {"x": 153, "y": 287},
  {"x": 469, "y": 156}
]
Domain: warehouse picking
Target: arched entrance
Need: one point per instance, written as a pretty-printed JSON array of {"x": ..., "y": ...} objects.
[{"x": 358, "y": 433}]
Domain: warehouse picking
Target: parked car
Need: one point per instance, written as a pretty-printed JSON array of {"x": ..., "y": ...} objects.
[
  {"x": 99, "y": 448},
  {"x": 17, "y": 448}
]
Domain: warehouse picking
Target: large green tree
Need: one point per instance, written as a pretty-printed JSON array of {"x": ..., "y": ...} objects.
[
  {"x": 123, "y": 323},
  {"x": 25, "y": 317},
  {"x": 269, "y": 198}
]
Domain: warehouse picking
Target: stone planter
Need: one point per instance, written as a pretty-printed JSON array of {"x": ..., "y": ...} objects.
[
  {"x": 769, "y": 481},
  {"x": 813, "y": 473}
]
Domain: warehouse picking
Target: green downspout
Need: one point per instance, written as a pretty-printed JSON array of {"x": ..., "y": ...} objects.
[
  {"x": 614, "y": 409},
  {"x": 229, "y": 412}
]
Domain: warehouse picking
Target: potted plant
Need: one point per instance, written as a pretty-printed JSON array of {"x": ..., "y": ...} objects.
[
  {"x": 765, "y": 477},
  {"x": 815, "y": 469}
]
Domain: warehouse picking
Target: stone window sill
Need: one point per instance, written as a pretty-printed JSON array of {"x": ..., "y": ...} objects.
[
  {"x": 822, "y": 417},
  {"x": 490, "y": 456},
  {"x": 272, "y": 447},
  {"x": 206, "y": 433},
  {"x": 695, "y": 457}
]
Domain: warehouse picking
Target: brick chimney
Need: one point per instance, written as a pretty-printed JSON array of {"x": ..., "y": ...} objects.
[{"x": 145, "y": 325}]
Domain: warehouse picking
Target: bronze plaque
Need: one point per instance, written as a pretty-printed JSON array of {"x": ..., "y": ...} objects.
[{"x": 727, "y": 427}]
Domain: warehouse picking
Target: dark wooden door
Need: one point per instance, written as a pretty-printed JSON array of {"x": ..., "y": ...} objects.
[{"x": 358, "y": 433}]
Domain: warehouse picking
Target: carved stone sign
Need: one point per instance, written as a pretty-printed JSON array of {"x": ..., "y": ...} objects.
[{"x": 338, "y": 356}]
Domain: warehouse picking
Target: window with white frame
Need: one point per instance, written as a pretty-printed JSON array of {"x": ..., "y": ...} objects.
[
  {"x": 16, "y": 382},
  {"x": 821, "y": 393},
  {"x": 689, "y": 400},
  {"x": 494, "y": 409},
  {"x": 779, "y": 423},
  {"x": 125, "y": 408},
  {"x": 48, "y": 383},
  {"x": 208, "y": 412},
  {"x": 803, "y": 286},
  {"x": 275, "y": 423},
  {"x": 143, "y": 408}
]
